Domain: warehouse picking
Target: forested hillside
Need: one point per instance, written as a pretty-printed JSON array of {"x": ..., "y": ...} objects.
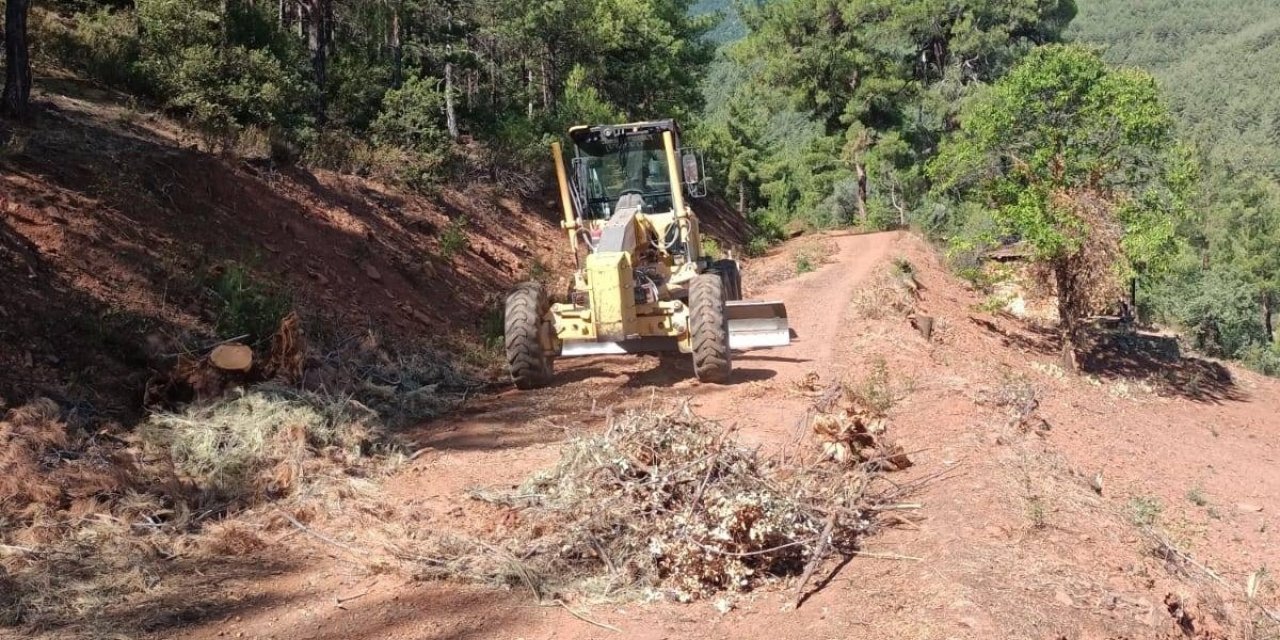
[
  {"x": 811, "y": 114},
  {"x": 1216, "y": 62}
]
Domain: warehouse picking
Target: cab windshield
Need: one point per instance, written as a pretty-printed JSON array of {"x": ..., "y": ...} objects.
[{"x": 635, "y": 164}]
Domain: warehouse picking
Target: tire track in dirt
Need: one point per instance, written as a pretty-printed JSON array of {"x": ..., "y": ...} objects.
[
  {"x": 520, "y": 427},
  {"x": 818, "y": 305}
]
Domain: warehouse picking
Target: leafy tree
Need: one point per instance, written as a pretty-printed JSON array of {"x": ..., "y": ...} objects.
[
  {"x": 886, "y": 79},
  {"x": 1210, "y": 56},
  {"x": 1079, "y": 160}
]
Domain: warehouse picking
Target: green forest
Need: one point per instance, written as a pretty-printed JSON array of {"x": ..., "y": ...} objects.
[
  {"x": 1117, "y": 139},
  {"x": 1213, "y": 61}
]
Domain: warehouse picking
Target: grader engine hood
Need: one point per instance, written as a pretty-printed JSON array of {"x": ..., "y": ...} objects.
[{"x": 611, "y": 277}]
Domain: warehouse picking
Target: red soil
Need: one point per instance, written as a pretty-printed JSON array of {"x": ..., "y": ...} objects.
[{"x": 1012, "y": 542}]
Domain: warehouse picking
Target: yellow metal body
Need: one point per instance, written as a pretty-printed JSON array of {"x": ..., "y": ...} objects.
[
  {"x": 570, "y": 222},
  {"x": 612, "y": 293},
  {"x": 608, "y": 277}
]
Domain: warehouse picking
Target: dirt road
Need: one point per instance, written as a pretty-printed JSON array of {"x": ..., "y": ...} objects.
[{"x": 1012, "y": 542}]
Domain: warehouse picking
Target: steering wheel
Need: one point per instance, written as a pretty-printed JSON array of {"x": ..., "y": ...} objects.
[{"x": 633, "y": 191}]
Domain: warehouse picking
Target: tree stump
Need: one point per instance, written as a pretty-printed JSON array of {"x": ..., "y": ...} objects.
[{"x": 923, "y": 324}]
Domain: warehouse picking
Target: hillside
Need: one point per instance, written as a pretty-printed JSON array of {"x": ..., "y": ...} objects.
[
  {"x": 120, "y": 234},
  {"x": 1214, "y": 59},
  {"x": 117, "y": 228},
  {"x": 260, "y": 375},
  {"x": 994, "y": 529}
]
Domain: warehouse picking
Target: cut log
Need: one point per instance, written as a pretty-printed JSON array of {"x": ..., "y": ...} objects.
[{"x": 232, "y": 357}]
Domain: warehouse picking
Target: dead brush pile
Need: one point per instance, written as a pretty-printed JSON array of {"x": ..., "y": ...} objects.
[
  {"x": 99, "y": 521},
  {"x": 664, "y": 504},
  {"x": 893, "y": 292}
]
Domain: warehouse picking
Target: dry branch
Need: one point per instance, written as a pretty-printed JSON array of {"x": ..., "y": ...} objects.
[{"x": 665, "y": 503}]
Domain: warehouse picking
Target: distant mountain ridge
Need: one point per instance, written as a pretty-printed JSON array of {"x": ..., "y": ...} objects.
[{"x": 1217, "y": 60}]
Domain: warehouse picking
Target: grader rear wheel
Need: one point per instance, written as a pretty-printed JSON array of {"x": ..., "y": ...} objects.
[
  {"x": 525, "y": 320},
  {"x": 709, "y": 328}
]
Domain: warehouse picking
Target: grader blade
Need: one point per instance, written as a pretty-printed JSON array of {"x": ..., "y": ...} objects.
[{"x": 757, "y": 325}]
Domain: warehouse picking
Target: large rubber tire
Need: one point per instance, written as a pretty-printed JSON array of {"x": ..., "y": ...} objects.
[
  {"x": 732, "y": 276},
  {"x": 526, "y": 310},
  {"x": 709, "y": 328}
]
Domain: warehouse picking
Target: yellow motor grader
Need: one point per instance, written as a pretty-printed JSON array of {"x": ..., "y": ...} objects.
[{"x": 642, "y": 283}]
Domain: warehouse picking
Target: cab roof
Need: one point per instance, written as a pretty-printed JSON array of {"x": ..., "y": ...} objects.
[{"x": 590, "y": 135}]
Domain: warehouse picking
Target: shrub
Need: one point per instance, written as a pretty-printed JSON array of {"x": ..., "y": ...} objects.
[
  {"x": 873, "y": 393},
  {"x": 710, "y": 248},
  {"x": 246, "y": 306},
  {"x": 1263, "y": 358},
  {"x": 804, "y": 263},
  {"x": 342, "y": 151},
  {"x": 1219, "y": 311},
  {"x": 411, "y": 117},
  {"x": 260, "y": 78},
  {"x": 103, "y": 45},
  {"x": 454, "y": 238},
  {"x": 1144, "y": 511},
  {"x": 356, "y": 88}
]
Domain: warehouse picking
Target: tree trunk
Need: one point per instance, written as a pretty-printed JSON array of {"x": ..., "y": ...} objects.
[
  {"x": 1067, "y": 311},
  {"x": 17, "y": 78},
  {"x": 290, "y": 17},
  {"x": 315, "y": 17},
  {"x": 1267, "y": 313},
  {"x": 742, "y": 199},
  {"x": 397, "y": 51},
  {"x": 862, "y": 193},
  {"x": 450, "y": 116},
  {"x": 546, "y": 86},
  {"x": 226, "y": 22},
  {"x": 528, "y": 89}
]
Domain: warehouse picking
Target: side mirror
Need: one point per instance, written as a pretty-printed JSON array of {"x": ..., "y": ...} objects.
[
  {"x": 692, "y": 172},
  {"x": 691, "y": 165}
]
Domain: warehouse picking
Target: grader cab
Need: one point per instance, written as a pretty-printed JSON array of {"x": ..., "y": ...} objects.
[{"x": 642, "y": 283}]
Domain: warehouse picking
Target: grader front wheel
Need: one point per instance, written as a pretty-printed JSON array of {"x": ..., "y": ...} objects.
[
  {"x": 709, "y": 328},
  {"x": 525, "y": 320}
]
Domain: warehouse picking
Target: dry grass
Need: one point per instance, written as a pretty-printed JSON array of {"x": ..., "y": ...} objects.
[
  {"x": 663, "y": 504},
  {"x": 106, "y": 523},
  {"x": 893, "y": 292},
  {"x": 260, "y": 444}
]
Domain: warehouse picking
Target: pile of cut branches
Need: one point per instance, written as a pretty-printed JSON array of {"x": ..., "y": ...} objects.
[{"x": 665, "y": 504}]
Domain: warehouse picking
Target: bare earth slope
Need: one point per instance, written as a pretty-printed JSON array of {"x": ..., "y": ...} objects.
[
  {"x": 1131, "y": 502},
  {"x": 113, "y": 224}
]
